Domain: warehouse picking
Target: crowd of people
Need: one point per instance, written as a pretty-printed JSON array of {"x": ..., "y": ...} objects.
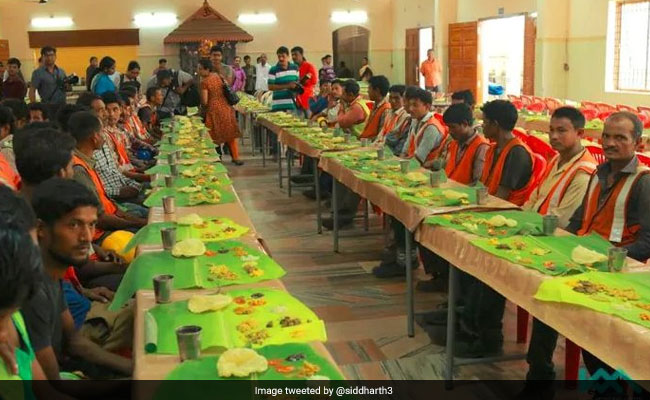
[{"x": 73, "y": 177}]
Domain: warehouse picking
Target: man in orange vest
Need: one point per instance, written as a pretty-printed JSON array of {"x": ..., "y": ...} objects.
[
  {"x": 560, "y": 192},
  {"x": 424, "y": 143},
  {"x": 507, "y": 173},
  {"x": 85, "y": 127},
  {"x": 465, "y": 160},
  {"x": 377, "y": 91},
  {"x": 396, "y": 128}
]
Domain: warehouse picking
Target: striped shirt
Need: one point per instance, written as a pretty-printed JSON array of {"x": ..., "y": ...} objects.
[{"x": 283, "y": 100}]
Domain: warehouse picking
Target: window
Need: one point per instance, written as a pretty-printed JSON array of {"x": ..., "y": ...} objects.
[{"x": 632, "y": 46}]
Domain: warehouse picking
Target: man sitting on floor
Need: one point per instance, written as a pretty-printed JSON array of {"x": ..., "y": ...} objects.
[
  {"x": 595, "y": 213},
  {"x": 67, "y": 215},
  {"x": 465, "y": 160},
  {"x": 507, "y": 174}
]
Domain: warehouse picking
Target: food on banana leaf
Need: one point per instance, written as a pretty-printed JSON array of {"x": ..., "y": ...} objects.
[
  {"x": 539, "y": 251},
  {"x": 190, "y": 189},
  {"x": 584, "y": 256},
  {"x": 191, "y": 173},
  {"x": 202, "y": 303},
  {"x": 188, "y": 248},
  {"x": 222, "y": 272},
  {"x": 190, "y": 219},
  {"x": 416, "y": 177},
  {"x": 240, "y": 363},
  {"x": 499, "y": 220},
  {"x": 454, "y": 195}
]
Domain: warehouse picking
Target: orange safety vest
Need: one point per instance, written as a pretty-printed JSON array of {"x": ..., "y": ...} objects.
[
  {"x": 610, "y": 219},
  {"x": 415, "y": 140},
  {"x": 372, "y": 127},
  {"x": 8, "y": 176},
  {"x": 585, "y": 163},
  {"x": 122, "y": 155},
  {"x": 462, "y": 172},
  {"x": 390, "y": 124},
  {"x": 492, "y": 175},
  {"x": 109, "y": 207}
]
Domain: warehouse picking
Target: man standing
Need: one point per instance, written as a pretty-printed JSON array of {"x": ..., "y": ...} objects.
[
  {"x": 249, "y": 70},
  {"x": 344, "y": 71},
  {"x": 131, "y": 78},
  {"x": 162, "y": 64},
  {"x": 262, "y": 75},
  {"x": 14, "y": 86},
  {"x": 49, "y": 80},
  {"x": 326, "y": 73},
  {"x": 90, "y": 70},
  {"x": 283, "y": 80},
  {"x": 239, "y": 75},
  {"x": 364, "y": 66},
  {"x": 172, "y": 85},
  {"x": 308, "y": 78},
  {"x": 432, "y": 72}
]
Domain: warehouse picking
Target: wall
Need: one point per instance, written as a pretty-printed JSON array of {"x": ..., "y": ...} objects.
[
  {"x": 472, "y": 10},
  {"x": 309, "y": 27}
]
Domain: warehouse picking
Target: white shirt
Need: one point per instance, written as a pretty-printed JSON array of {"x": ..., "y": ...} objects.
[{"x": 262, "y": 80}]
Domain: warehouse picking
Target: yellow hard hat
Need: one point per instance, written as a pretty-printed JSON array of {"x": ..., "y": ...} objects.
[{"x": 117, "y": 241}]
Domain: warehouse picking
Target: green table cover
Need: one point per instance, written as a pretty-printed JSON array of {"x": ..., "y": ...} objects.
[
  {"x": 215, "y": 229},
  {"x": 194, "y": 272},
  {"x": 222, "y": 328},
  {"x": 206, "y": 368},
  {"x": 561, "y": 290},
  {"x": 554, "y": 257},
  {"x": 525, "y": 220},
  {"x": 207, "y": 168},
  {"x": 186, "y": 199},
  {"x": 217, "y": 180}
]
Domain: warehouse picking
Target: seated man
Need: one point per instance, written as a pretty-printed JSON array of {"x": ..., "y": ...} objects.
[
  {"x": 595, "y": 213},
  {"x": 463, "y": 97},
  {"x": 85, "y": 127},
  {"x": 7, "y": 129},
  {"x": 424, "y": 143},
  {"x": 465, "y": 160},
  {"x": 377, "y": 90},
  {"x": 67, "y": 215},
  {"x": 395, "y": 130},
  {"x": 45, "y": 153},
  {"x": 507, "y": 174},
  {"x": 318, "y": 104},
  {"x": 351, "y": 119},
  {"x": 37, "y": 112},
  {"x": 19, "y": 110},
  {"x": 148, "y": 112},
  {"x": 132, "y": 124}
]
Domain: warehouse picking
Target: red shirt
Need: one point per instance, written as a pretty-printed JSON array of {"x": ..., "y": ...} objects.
[
  {"x": 14, "y": 89},
  {"x": 305, "y": 69}
]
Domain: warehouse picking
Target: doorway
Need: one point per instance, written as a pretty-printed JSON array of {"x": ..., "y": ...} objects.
[
  {"x": 501, "y": 61},
  {"x": 350, "y": 44},
  {"x": 418, "y": 42}
]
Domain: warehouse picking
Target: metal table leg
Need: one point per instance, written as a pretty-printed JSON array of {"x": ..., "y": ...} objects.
[
  {"x": 335, "y": 215},
  {"x": 366, "y": 224},
  {"x": 289, "y": 155},
  {"x": 253, "y": 132},
  {"x": 264, "y": 146},
  {"x": 319, "y": 217},
  {"x": 279, "y": 158},
  {"x": 451, "y": 327},
  {"x": 410, "y": 325}
]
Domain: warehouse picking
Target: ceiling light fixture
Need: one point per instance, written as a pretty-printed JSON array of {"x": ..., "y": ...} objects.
[
  {"x": 257, "y": 19},
  {"x": 349, "y": 17},
  {"x": 51, "y": 22},
  {"x": 154, "y": 20}
]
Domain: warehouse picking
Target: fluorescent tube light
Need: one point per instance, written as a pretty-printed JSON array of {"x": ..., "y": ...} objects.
[
  {"x": 349, "y": 17},
  {"x": 59, "y": 22},
  {"x": 154, "y": 20},
  {"x": 257, "y": 19}
]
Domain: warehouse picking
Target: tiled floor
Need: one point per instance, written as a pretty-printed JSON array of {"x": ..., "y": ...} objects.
[{"x": 364, "y": 316}]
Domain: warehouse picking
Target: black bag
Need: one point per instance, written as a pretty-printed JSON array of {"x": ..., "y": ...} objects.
[
  {"x": 231, "y": 96},
  {"x": 191, "y": 97}
]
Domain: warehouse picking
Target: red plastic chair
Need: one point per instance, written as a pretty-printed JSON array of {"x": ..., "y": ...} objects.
[
  {"x": 603, "y": 115},
  {"x": 588, "y": 105},
  {"x": 538, "y": 146},
  {"x": 513, "y": 98},
  {"x": 520, "y": 133},
  {"x": 623, "y": 107},
  {"x": 527, "y": 100},
  {"x": 598, "y": 153},
  {"x": 645, "y": 119},
  {"x": 644, "y": 159},
  {"x": 552, "y": 104},
  {"x": 519, "y": 105},
  {"x": 589, "y": 113},
  {"x": 537, "y": 107},
  {"x": 604, "y": 107},
  {"x": 643, "y": 110},
  {"x": 537, "y": 99}
]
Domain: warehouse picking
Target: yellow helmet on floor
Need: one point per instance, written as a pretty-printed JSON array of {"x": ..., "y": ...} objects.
[{"x": 117, "y": 241}]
